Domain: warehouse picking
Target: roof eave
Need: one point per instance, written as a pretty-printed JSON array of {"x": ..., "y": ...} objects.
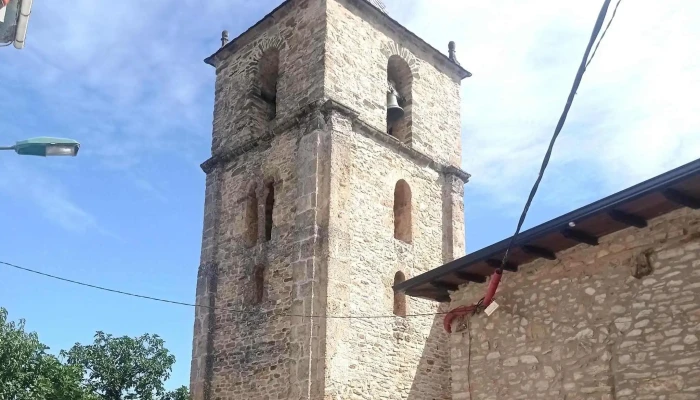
[{"x": 658, "y": 183}]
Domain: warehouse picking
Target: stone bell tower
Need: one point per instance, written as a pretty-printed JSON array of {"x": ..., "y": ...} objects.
[{"x": 334, "y": 175}]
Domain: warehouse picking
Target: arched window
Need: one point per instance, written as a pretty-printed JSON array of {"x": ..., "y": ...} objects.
[
  {"x": 402, "y": 212},
  {"x": 269, "y": 210},
  {"x": 258, "y": 284},
  {"x": 400, "y": 91},
  {"x": 399, "y": 298},
  {"x": 251, "y": 218},
  {"x": 268, "y": 75}
]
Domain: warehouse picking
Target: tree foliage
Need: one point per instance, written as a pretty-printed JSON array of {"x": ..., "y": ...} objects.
[
  {"x": 112, "y": 368},
  {"x": 123, "y": 368},
  {"x": 27, "y": 372},
  {"x": 183, "y": 393}
]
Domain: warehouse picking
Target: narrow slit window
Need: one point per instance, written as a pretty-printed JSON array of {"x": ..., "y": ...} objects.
[
  {"x": 399, "y": 298},
  {"x": 258, "y": 284},
  {"x": 269, "y": 210},
  {"x": 251, "y": 218},
  {"x": 402, "y": 212}
]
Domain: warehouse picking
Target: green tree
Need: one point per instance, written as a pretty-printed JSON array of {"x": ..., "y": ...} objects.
[
  {"x": 27, "y": 372},
  {"x": 123, "y": 368},
  {"x": 183, "y": 393}
]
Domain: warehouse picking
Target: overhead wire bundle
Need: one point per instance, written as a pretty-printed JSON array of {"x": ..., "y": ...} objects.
[{"x": 493, "y": 285}]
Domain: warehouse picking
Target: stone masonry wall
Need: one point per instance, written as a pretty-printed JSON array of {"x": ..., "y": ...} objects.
[
  {"x": 358, "y": 49},
  {"x": 242, "y": 349},
  {"x": 332, "y": 250},
  {"x": 298, "y": 32},
  {"x": 268, "y": 349},
  {"x": 584, "y": 328},
  {"x": 250, "y": 348},
  {"x": 395, "y": 357}
]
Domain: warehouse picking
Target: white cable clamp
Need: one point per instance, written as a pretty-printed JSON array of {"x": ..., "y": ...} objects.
[{"x": 491, "y": 308}]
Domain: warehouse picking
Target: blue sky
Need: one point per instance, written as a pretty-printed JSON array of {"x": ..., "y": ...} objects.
[{"x": 127, "y": 80}]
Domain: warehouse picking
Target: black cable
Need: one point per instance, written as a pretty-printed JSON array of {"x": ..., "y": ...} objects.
[
  {"x": 560, "y": 125},
  {"x": 469, "y": 358},
  {"x": 205, "y": 306},
  {"x": 545, "y": 163},
  {"x": 604, "y": 32},
  {"x": 99, "y": 287}
]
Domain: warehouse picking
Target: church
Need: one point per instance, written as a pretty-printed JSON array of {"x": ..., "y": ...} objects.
[{"x": 333, "y": 192}]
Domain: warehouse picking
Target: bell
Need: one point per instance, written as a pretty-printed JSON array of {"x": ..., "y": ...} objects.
[{"x": 394, "y": 112}]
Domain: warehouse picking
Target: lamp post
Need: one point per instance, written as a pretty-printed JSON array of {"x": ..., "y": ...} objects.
[
  {"x": 45, "y": 147},
  {"x": 14, "y": 18}
]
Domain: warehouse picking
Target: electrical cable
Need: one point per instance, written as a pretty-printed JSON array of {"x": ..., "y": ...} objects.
[
  {"x": 579, "y": 75},
  {"x": 239, "y": 311},
  {"x": 604, "y": 32},
  {"x": 557, "y": 131},
  {"x": 469, "y": 359},
  {"x": 582, "y": 68}
]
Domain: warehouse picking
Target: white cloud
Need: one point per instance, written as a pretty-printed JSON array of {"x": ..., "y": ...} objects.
[
  {"x": 150, "y": 188},
  {"x": 25, "y": 183},
  {"x": 127, "y": 79},
  {"x": 635, "y": 113}
]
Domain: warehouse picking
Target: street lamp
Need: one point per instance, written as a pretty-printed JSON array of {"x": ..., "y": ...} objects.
[
  {"x": 14, "y": 18},
  {"x": 45, "y": 147}
]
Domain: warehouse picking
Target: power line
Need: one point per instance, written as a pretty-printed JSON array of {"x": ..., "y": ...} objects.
[
  {"x": 97, "y": 287},
  {"x": 370, "y": 317},
  {"x": 577, "y": 81},
  {"x": 604, "y": 32},
  {"x": 179, "y": 303},
  {"x": 557, "y": 131}
]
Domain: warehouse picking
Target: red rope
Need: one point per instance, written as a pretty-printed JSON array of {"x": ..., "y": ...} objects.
[
  {"x": 457, "y": 312},
  {"x": 464, "y": 310},
  {"x": 493, "y": 286}
]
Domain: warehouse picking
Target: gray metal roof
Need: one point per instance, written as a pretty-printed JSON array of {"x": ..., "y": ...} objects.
[{"x": 632, "y": 207}]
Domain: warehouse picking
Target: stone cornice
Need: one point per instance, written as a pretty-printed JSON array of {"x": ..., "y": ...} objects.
[
  {"x": 225, "y": 157},
  {"x": 228, "y": 155},
  {"x": 393, "y": 143},
  {"x": 366, "y": 6},
  {"x": 360, "y": 126}
]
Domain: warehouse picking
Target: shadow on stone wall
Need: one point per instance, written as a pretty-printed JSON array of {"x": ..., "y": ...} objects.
[{"x": 433, "y": 377}]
